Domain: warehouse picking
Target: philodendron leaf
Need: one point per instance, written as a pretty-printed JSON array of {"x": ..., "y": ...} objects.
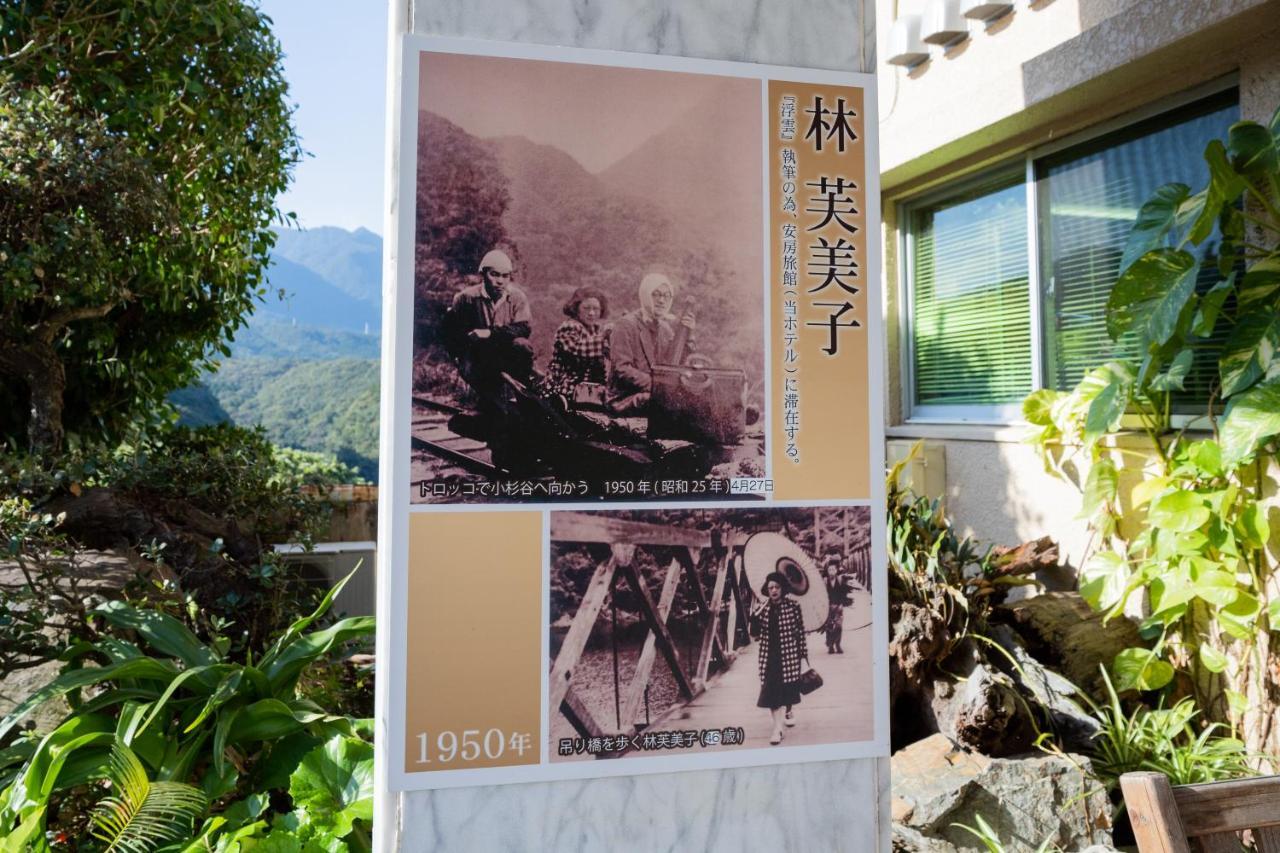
[
  {"x": 1212, "y": 659},
  {"x": 1239, "y": 619},
  {"x": 334, "y": 784},
  {"x": 1108, "y": 406},
  {"x": 1140, "y": 669},
  {"x": 1273, "y": 614},
  {"x": 1225, "y": 186},
  {"x": 1178, "y": 512},
  {"x": 1251, "y": 419},
  {"x": 1103, "y": 580},
  {"x": 1252, "y": 149},
  {"x": 1211, "y": 306},
  {"x": 1151, "y": 293},
  {"x": 1155, "y": 219},
  {"x": 1176, "y": 374},
  {"x": 1099, "y": 487},
  {"x": 1250, "y": 349}
]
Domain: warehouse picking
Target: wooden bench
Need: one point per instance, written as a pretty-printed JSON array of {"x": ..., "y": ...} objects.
[{"x": 1208, "y": 817}]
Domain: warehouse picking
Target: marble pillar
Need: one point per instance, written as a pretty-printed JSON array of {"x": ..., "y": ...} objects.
[{"x": 825, "y": 806}]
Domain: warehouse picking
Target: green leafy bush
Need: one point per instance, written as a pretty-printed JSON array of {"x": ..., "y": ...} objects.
[
  {"x": 1193, "y": 535},
  {"x": 191, "y": 715}
]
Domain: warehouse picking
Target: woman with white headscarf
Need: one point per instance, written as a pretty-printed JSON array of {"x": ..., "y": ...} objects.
[{"x": 641, "y": 339}]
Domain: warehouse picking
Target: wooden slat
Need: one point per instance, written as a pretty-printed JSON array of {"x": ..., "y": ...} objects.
[
  {"x": 579, "y": 632},
  {"x": 462, "y": 460},
  {"x": 689, "y": 557},
  {"x": 1153, "y": 813},
  {"x": 1267, "y": 839},
  {"x": 1229, "y": 806},
  {"x": 594, "y": 527},
  {"x": 640, "y": 680},
  {"x": 711, "y": 636},
  {"x": 579, "y": 715},
  {"x": 666, "y": 644},
  {"x": 1221, "y": 842}
]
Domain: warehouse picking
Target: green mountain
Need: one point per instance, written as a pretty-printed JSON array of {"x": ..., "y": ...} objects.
[{"x": 324, "y": 405}]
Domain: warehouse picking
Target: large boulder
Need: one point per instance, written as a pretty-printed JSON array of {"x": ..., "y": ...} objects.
[{"x": 1026, "y": 800}]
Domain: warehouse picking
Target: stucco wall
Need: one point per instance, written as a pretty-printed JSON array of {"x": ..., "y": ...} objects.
[{"x": 1045, "y": 71}]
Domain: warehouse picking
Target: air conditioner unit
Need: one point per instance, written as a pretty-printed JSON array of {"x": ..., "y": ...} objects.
[
  {"x": 984, "y": 10},
  {"x": 905, "y": 46},
  {"x": 943, "y": 23}
]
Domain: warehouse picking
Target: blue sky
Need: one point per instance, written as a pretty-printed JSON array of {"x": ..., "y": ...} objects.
[{"x": 335, "y": 61}]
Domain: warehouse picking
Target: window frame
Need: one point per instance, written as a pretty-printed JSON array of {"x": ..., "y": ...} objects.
[{"x": 992, "y": 174}]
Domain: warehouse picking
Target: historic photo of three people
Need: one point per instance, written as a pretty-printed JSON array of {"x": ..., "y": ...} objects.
[{"x": 588, "y": 288}]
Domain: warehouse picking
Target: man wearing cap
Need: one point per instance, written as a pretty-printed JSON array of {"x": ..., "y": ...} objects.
[{"x": 486, "y": 330}]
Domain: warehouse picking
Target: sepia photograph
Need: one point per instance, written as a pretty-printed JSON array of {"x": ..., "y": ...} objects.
[
  {"x": 683, "y": 631},
  {"x": 588, "y": 283}
]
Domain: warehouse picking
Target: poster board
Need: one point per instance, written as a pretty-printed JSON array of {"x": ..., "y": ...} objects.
[{"x": 632, "y": 368}]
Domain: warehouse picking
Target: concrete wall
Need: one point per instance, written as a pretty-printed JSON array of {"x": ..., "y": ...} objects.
[
  {"x": 828, "y": 806},
  {"x": 1043, "y": 72}
]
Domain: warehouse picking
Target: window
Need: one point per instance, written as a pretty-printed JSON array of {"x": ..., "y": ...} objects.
[{"x": 999, "y": 303}]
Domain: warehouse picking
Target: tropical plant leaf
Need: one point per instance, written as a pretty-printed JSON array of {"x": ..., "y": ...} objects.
[
  {"x": 161, "y": 631},
  {"x": 141, "y": 815},
  {"x": 1252, "y": 149},
  {"x": 1211, "y": 306},
  {"x": 1212, "y": 659},
  {"x": 1175, "y": 374},
  {"x": 1155, "y": 219},
  {"x": 1251, "y": 418},
  {"x": 1103, "y": 580},
  {"x": 1151, "y": 293},
  {"x": 1225, "y": 186},
  {"x": 283, "y": 670},
  {"x": 1249, "y": 350},
  {"x": 1179, "y": 511},
  {"x": 1100, "y": 487},
  {"x": 1140, "y": 669},
  {"x": 334, "y": 784},
  {"x": 138, "y": 668}
]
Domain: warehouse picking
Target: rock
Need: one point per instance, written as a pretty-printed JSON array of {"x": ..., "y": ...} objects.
[
  {"x": 1072, "y": 725},
  {"x": 1063, "y": 632},
  {"x": 1025, "y": 800}
]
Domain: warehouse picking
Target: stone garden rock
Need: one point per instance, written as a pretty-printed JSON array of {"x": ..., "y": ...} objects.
[{"x": 1025, "y": 800}]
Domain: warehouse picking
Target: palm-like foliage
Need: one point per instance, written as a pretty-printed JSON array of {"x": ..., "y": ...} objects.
[{"x": 141, "y": 815}]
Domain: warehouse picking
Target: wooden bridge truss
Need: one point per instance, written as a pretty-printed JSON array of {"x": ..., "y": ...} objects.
[{"x": 719, "y": 641}]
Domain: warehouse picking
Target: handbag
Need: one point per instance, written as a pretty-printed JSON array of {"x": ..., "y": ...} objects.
[{"x": 809, "y": 681}]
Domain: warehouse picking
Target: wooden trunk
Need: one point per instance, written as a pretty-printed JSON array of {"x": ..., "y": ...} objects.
[{"x": 702, "y": 404}]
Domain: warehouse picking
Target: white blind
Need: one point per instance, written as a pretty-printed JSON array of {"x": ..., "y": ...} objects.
[{"x": 971, "y": 302}]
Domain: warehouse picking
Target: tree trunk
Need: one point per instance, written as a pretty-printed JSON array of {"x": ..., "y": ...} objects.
[{"x": 38, "y": 365}]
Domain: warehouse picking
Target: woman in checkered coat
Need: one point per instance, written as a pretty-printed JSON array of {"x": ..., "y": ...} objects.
[
  {"x": 581, "y": 351},
  {"x": 778, "y": 626}
]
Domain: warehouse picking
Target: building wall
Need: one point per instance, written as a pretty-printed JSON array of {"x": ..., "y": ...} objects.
[
  {"x": 828, "y": 806},
  {"x": 1047, "y": 70}
]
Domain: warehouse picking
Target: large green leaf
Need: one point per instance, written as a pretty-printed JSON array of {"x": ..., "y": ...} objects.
[
  {"x": 1211, "y": 306},
  {"x": 1103, "y": 580},
  {"x": 283, "y": 670},
  {"x": 1251, "y": 418},
  {"x": 161, "y": 631},
  {"x": 138, "y": 668},
  {"x": 334, "y": 784},
  {"x": 42, "y": 774},
  {"x": 1155, "y": 219},
  {"x": 281, "y": 645},
  {"x": 270, "y": 719},
  {"x": 1179, "y": 511},
  {"x": 1108, "y": 406},
  {"x": 1225, "y": 186},
  {"x": 1099, "y": 487},
  {"x": 1240, "y": 618},
  {"x": 1140, "y": 669},
  {"x": 1250, "y": 349},
  {"x": 1252, "y": 149},
  {"x": 1151, "y": 293},
  {"x": 1175, "y": 374}
]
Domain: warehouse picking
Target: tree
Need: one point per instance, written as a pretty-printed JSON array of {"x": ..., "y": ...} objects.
[{"x": 142, "y": 147}]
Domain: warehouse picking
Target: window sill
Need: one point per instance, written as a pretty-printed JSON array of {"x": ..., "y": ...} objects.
[{"x": 1005, "y": 433}]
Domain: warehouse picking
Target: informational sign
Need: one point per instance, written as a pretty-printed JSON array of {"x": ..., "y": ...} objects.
[{"x": 632, "y": 515}]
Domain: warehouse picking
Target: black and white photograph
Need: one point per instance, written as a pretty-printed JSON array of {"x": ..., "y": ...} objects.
[
  {"x": 588, "y": 283},
  {"x": 688, "y": 631}
]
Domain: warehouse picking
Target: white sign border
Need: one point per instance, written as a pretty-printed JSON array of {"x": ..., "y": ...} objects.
[{"x": 394, "y": 487}]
